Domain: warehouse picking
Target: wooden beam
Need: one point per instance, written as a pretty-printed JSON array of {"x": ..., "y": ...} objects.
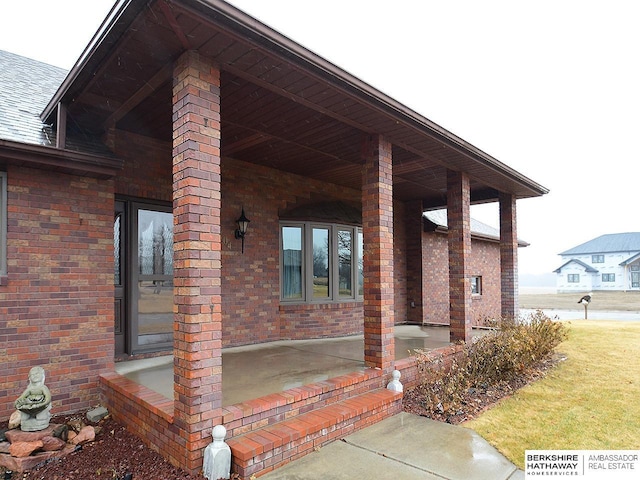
[
  {"x": 147, "y": 89},
  {"x": 61, "y": 126},
  {"x": 173, "y": 23}
]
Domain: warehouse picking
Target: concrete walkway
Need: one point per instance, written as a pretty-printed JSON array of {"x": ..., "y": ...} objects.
[{"x": 403, "y": 447}]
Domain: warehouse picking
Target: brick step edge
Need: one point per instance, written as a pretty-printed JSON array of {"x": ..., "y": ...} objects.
[{"x": 272, "y": 446}]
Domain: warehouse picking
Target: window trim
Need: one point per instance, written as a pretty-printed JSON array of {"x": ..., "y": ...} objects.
[
  {"x": 597, "y": 258},
  {"x": 608, "y": 278},
  {"x": 307, "y": 266},
  {"x": 3, "y": 226},
  {"x": 572, "y": 276}
]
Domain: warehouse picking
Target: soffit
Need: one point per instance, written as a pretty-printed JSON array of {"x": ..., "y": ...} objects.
[{"x": 279, "y": 109}]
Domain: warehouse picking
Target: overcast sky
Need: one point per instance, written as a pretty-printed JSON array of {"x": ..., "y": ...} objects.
[{"x": 550, "y": 88}]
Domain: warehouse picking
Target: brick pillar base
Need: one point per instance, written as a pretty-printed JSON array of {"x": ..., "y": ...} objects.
[
  {"x": 377, "y": 229},
  {"x": 459, "y": 236}
]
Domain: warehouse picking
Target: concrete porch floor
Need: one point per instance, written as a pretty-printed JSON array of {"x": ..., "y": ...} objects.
[{"x": 254, "y": 371}]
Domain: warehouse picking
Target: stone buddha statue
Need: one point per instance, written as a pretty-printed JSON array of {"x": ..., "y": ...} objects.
[{"x": 35, "y": 403}]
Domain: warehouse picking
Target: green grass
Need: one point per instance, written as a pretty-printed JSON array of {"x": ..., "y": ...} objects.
[{"x": 590, "y": 401}]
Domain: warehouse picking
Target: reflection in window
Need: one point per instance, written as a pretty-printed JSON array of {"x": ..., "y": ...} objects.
[
  {"x": 345, "y": 241},
  {"x": 292, "y": 262},
  {"x": 476, "y": 285},
  {"x": 320, "y": 263},
  {"x": 155, "y": 247},
  {"x": 116, "y": 250}
]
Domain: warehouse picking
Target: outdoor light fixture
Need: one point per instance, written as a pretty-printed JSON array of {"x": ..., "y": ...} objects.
[{"x": 241, "y": 231}]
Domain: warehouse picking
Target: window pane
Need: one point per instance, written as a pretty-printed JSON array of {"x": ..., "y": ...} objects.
[
  {"x": 117, "y": 240},
  {"x": 360, "y": 263},
  {"x": 155, "y": 243},
  {"x": 345, "y": 274},
  {"x": 292, "y": 262},
  {"x": 320, "y": 263}
]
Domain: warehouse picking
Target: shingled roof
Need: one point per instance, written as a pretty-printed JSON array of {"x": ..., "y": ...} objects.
[
  {"x": 612, "y": 242},
  {"x": 479, "y": 230},
  {"x": 26, "y": 86}
]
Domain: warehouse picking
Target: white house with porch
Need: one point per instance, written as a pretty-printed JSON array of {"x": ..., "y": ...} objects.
[{"x": 608, "y": 262}]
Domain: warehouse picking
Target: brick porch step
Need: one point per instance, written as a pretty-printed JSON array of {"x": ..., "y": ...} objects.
[{"x": 260, "y": 451}]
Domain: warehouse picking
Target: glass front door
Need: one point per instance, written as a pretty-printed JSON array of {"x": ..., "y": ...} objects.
[{"x": 143, "y": 277}]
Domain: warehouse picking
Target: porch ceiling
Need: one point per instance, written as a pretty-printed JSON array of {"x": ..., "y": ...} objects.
[{"x": 282, "y": 106}]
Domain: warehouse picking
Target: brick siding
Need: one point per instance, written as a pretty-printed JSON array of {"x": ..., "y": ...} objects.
[{"x": 56, "y": 310}]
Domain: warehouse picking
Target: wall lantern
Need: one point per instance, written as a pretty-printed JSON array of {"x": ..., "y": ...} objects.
[{"x": 241, "y": 231}]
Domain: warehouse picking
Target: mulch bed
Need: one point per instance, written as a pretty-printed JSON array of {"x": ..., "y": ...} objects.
[{"x": 116, "y": 452}]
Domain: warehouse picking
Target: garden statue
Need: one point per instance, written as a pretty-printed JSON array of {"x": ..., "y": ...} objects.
[
  {"x": 34, "y": 404},
  {"x": 217, "y": 456}
]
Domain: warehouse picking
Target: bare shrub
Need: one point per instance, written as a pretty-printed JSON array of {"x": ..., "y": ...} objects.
[{"x": 513, "y": 348}]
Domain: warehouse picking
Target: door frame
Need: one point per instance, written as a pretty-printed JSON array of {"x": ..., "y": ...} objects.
[{"x": 126, "y": 325}]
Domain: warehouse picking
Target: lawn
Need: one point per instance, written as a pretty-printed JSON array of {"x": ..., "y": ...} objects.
[{"x": 590, "y": 401}]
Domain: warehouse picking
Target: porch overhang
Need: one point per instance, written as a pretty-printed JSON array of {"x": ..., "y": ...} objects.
[{"x": 284, "y": 106}]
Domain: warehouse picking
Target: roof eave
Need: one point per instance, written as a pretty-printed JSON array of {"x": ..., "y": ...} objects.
[
  {"x": 52, "y": 158},
  {"x": 125, "y": 11}
]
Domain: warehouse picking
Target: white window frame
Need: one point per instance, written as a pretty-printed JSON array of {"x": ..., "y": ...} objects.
[
  {"x": 597, "y": 258},
  {"x": 573, "y": 278},
  {"x": 3, "y": 224},
  {"x": 307, "y": 263},
  {"x": 608, "y": 278}
]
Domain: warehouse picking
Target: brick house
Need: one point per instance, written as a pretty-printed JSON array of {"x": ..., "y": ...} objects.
[
  {"x": 121, "y": 184},
  {"x": 484, "y": 272}
]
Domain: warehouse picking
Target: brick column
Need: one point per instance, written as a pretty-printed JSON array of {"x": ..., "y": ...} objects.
[
  {"x": 377, "y": 229},
  {"x": 508, "y": 255},
  {"x": 197, "y": 346},
  {"x": 415, "y": 262},
  {"x": 459, "y": 237}
]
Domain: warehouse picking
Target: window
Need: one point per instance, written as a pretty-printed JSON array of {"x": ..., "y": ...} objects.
[
  {"x": 573, "y": 278},
  {"x": 3, "y": 225},
  {"x": 476, "y": 285},
  {"x": 317, "y": 262},
  {"x": 597, "y": 258},
  {"x": 634, "y": 268},
  {"x": 608, "y": 277}
]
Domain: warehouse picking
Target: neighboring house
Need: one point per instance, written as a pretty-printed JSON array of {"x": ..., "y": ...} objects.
[
  {"x": 484, "y": 270},
  {"x": 121, "y": 186},
  {"x": 608, "y": 262}
]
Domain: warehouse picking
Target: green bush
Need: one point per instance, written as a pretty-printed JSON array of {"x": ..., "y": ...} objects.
[{"x": 501, "y": 355}]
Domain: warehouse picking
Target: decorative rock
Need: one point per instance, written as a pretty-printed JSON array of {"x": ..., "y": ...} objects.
[
  {"x": 71, "y": 435},
  {"x": 61, "y": 432},
  {"x": 217, "y": 456},
  {"x": 14, "y": 420},
  {"x": 87, "y": 434},
  {"x": 97, "y": 414},
  {"x": 395, "y": 384},
  {"x": 52, "y": 444},
  {"x": 76, "y": 424},
  {"x": 4, "y": 447},
  {"x": 20, "y": 436},
  {"x": 24, "y": 449}
]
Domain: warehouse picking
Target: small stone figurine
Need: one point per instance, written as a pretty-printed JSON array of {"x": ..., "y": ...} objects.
[
  {"x": 217, "y": 456},
  {"x": 34, "y": 404},
  {"x": 395, "y": 384}
]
